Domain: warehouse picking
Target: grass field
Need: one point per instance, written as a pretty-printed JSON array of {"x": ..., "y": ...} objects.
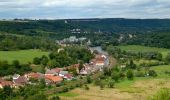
[
  {"x": 24, "y": 56},
  {"x": 141, "y": 88},
  {"x": 137, "y": 48}
]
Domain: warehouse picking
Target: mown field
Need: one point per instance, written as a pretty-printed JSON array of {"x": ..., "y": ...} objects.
[
  {"x": 24, "y": 56},
  {"x": 141, "y": 88},
  {"x": 137, "y": 48}
]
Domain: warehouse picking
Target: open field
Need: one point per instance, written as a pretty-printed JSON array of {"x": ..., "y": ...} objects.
[
  {"x": 136, "y": 90},
  {"x": 24, "y": 56},
  {"x": 141, "y": 88},
  {"x": 137, "y": 48}
]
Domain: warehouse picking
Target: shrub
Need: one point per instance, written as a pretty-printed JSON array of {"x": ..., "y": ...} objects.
[
  {"x": 111, "y": 84},
  {"x": 162, "y": 94},
  {"x": 152, "y": 73},
  {"x": 55, "y": 98},
  {"x": 115, "y": 76},
  {"x": 89, "y": 80},
  {"x": 140, "y": 74},
  {"x": 86, "y": 87},
  {"x": 130, "y": 74}
]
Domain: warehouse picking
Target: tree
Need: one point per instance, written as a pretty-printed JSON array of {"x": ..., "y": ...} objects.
[
  {"x": 16, "y": 64},
  {"x": 42, "y": 83},
  {"x": 81, "y": 65},
  {"x": 53, "y": 63},
  {"x": 7, "y": 90},
  {"x": 89, "y": 80},
  {"x": 86, "y": 87},
  {"x": 152, "y": 73},
  {"x": 132, "y": 65},
  {"x": 168, "y": 58},
  {"x": 130, "y": 74},
  {"x": 115, "y": 76},
  {"x": 101, "y": 84},
  {"x": 36, "y": 60},
  {"x": 44, "y": 60},
  {"x": 55, "y": 98}
]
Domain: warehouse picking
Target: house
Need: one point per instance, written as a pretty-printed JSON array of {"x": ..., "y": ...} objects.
[
  {"x": 87, "y": 69},
  {"x": 50, "y": 79},
  {"x": 68, "y": 76},
  {"x": 33, "y": 75},
  {"x": 4, "y": 83},
  {"x": 51, "y": 72},
  {"x": 15, "y": 76},
  {"x": 54, "y": 71},
  {"x": 74, "y": 66},
  {"x": 20, "y": 81},
  {"x": 62, "y": 73}
]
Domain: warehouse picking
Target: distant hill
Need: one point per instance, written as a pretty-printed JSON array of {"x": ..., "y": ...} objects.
[{"x": 115, "y": 25}]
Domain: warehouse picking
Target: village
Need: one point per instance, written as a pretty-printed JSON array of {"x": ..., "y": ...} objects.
[{"x": 56, "y": 75}]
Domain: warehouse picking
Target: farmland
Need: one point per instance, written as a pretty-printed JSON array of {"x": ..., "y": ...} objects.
[
  {"x": 137, "y": 48},
  {"x": 24, "y": 56}
]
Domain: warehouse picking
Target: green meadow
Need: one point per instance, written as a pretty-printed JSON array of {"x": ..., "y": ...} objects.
[
  {"x": 138, "y": 48},
  {"x": 24, "y": 56}
]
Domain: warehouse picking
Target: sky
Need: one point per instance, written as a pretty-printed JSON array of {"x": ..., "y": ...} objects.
[{"x": 66, "y": 9}]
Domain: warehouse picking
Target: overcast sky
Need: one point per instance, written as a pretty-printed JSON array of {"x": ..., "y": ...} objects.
[{"x": 55, "y": 9}]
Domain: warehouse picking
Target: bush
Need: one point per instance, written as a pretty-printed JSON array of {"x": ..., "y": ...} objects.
[
  {"x": 130, "y": 74},
  {"x": 115, "y": 76},
  {"x": 101, "y": 84},
  {"x": 152, "y": 73},
  {"x": 140, "y": 74},
  {"x": 65, "y": 89},
  {"x": 111, "y": 84},
  {"x": 55, "y": 98},
  {"x": 86, "y": 87},
  {"x": 89, "y": 80}
]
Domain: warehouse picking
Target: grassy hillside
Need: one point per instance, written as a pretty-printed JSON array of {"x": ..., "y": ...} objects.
[
  {"x": 141, "y": 88},
  {"x": 23, "y": 56},
  {"x": 137, "y": 48}
]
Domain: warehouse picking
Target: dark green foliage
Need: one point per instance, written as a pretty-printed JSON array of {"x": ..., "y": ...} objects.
[
  {"x": 130, "y": 74},
  {"x": 168, "y": 58},
  {"x": 152, "y": 73},
  {"x": 15, "y": 67},
  {"x": 131, "y": 65},
  {"x": 6, "y": 93},
  {"x": 55, "y": 98},
  {"x": 115, "y": 76},
  {"x": 86, "y": 87},
  {"x": 36, "y": 60},
  {"x": 89, "y": 80},
  {"x": 14, "y": 42}
]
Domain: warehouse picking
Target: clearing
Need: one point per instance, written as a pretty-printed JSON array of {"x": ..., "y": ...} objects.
[
  {"x": 138, "y": 48},
  {"x": 24, "y": 56}
]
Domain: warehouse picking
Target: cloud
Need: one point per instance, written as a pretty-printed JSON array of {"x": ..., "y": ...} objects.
[{"x": 84, "y": 8}]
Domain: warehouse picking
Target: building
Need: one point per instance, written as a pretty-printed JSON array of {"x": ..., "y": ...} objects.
[
  {"x": 50, "y": 79},
  {"x": 20, "y": 81},
  {"x": 4, "y": 83}
]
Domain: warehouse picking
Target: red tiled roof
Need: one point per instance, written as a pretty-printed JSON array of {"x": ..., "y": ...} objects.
[
  {"x": 54, "y": 78},
  {"x": 5, "y": 83},
  {"x": 34, "y": 75},
  {"x": 57, "y": 70},
  {"x": 69, "y": 76}
]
